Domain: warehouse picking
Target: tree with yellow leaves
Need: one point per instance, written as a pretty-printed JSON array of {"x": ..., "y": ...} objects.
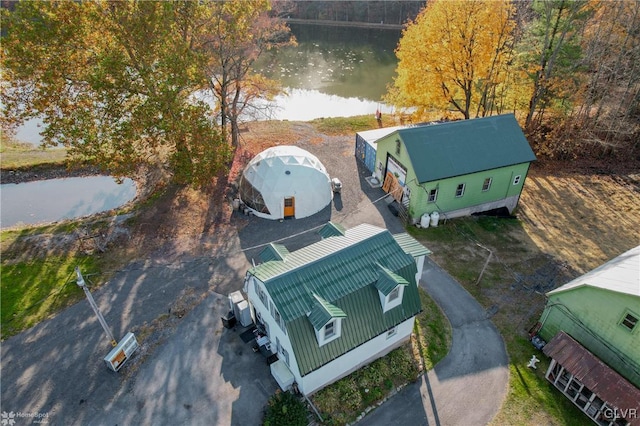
[{"x": 455, "y": 56}]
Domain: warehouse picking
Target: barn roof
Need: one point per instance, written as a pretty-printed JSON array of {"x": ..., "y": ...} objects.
[{"x": 456, "y": 148}]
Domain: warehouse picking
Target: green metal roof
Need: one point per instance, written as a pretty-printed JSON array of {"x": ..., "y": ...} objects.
[
  {"x": 324, "y": 311},
  {"x": 339, "y": 273},
  {"x": 332, "y": 230},
  {"x": 455, "y": 148},
  {"x": 273, "y": 252},
  {"x": 410, "y": 245},
  {"x": 365, "y": 320},
  {"x": 387, "y": 281}
]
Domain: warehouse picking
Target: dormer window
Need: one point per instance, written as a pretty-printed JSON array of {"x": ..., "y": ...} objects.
[
  {"x": 395, "y": 293},
  {"x": 326, "y": 320},
  {"x": 390, "y": 288}
]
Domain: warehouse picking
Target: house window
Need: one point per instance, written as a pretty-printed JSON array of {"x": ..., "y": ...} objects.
[
  {"x": 329, "y": 330},
  {"x": 460, "y": 190},
  {"x": 629, "y": 321},
  {"x": 516, "y": 179},
  {"x": 393, "y": 299},
  {"x": 433, "y": 195},
  {"x": 395, "y": 293},
  {"x": 397, "y": 146},
  {"x": 392, "y": 332},
  {"x": 261, "y": 295},
  {"x": 487, "y": 184}
]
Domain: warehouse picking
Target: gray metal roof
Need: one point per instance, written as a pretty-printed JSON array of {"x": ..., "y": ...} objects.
[
  {"x": 462, "y": 147},
  {"x": 621, "y": 274}
]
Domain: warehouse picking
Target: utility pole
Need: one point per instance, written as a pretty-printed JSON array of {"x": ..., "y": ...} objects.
[{"x": 103, "y": 323}]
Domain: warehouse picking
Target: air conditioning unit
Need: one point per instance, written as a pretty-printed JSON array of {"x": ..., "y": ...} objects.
[
  {"x": 244, "y": 313},
  {"x": 121, "y": 352}
]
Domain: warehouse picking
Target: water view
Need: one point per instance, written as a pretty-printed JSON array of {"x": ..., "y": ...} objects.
[
  {"x": 332, "y": 72},
  {"x": 57, "y": 199}
]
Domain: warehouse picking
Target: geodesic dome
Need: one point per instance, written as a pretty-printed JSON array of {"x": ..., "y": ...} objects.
[{"x": 285, "y": 181}]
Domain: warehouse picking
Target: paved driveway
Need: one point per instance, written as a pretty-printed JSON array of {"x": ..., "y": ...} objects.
[{"x": 468, "y": 386}]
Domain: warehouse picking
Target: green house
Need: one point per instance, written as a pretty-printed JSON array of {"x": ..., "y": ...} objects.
[
  {"x": 592, "y": 326},
  {"x": 455, "y": 168},
  {"x": 601, "y": 310}
]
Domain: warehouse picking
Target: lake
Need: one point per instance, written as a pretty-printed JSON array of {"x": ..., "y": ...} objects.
[{"x": 332, "y": 72}]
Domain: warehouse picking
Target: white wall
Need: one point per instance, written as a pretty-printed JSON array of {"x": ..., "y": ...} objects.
[
  {"x": 275, "y": 332},
  {"x": 338, "y": 368},
  {"x": 353, "y": 360}
]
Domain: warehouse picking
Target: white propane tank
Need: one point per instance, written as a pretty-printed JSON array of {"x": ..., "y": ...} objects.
[
  {"x": 424, "y": 220},
  {"x": 435, "y": 217}
]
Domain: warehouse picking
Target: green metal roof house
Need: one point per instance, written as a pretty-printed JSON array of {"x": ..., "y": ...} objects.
[
  {"x": 592, "y": 325},
  {"x": 455, "y": 168},
  {"x": 333, "y": 306}
]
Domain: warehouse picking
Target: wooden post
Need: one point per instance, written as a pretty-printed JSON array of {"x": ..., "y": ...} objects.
[{"x": 486, "y": 263}]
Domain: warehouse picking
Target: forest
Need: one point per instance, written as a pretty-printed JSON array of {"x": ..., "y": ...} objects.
[
  {"x": 567, "y": 69},
  {"x": 388, "y": 12}
]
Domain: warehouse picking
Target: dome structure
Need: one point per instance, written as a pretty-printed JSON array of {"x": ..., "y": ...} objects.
[{"x": 285, "y": 181}]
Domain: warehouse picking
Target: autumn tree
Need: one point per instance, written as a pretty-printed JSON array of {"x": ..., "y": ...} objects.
[
  {"x": 455, "y": 56},
  {"x": 232, "y": 35},
  {"x": 114, "y": 82},
  {"x": 551, "y": 54}
]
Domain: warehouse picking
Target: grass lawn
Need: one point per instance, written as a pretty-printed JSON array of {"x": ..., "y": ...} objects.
[
  {"x": 16, "y": 155},
  {"x": 461, "y": 246},
  {"x": 33, "y": 290},
  {"x": 36, "y": 282}
]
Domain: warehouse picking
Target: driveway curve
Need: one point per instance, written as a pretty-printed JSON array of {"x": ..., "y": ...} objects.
[{"x": 469, "y": 385}]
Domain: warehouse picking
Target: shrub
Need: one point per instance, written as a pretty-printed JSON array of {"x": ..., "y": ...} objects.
[{"x": 285, "y": 409}]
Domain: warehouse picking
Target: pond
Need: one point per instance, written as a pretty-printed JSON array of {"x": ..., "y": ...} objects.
[
  {"x": 52, "y": 200},
  {"x": 332, "y": 72}
]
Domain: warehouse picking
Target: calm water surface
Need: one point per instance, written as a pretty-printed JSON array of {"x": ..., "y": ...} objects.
[
  {"x": 52, "y": 200},
  {"x": 332, "y": 72}
]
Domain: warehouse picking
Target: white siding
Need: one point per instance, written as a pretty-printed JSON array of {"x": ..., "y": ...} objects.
[
  {"x": 275, "y": 332},
  {"x": 353, "y": 360}
]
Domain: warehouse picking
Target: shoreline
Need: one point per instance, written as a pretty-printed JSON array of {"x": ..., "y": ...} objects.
[{"x": 47, "y": 172}]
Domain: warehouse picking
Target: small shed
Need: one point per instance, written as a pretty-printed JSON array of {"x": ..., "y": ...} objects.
[{"x": 366, "y": 145}]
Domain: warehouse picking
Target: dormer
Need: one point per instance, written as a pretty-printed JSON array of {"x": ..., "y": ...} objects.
[
  {"x": 390, "y": 288},
  {"x": 273, "y": 252},
  {"x": 326, "y": 320}
]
